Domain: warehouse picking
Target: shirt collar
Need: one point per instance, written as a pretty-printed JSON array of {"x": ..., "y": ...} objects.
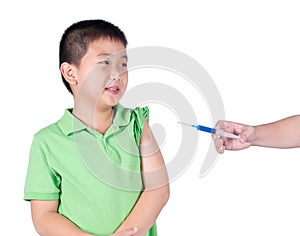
[
  {"x": 122, "y": 115},
  {"x": 70, "y": 124}
]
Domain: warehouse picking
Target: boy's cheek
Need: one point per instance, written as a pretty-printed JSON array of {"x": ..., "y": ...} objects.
[
  {"x": 96, "y": 79},
  {"x": 92, "y": 86}
]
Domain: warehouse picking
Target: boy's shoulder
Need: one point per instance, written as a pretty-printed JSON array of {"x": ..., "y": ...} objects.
[
  {"x": 125, "y": 114},
  {"x": 47, "y": 130},
  {"x": 53, "y": 128}
]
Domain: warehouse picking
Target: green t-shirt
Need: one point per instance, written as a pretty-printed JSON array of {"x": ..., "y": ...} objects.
[{"x": 97, "y": 178}]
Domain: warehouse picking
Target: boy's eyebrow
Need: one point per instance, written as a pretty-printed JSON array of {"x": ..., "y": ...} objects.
[{"x": 101, "y": 54}]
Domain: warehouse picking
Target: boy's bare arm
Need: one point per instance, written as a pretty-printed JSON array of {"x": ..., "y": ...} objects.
[
  {"x": 48, "y": 222},
  {"x": 156, "y": 184}
]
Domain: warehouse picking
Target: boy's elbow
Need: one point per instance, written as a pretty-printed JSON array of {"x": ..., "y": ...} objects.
[
  {"x": 165, "y": 194},
  {"x": 165, "y": 188},
  {"x": 41, "y": 212},
  {"x": 37, "y": 223},
  {"x": 161, "y": 194}
]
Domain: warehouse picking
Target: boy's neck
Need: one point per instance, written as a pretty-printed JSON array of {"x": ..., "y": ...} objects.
[{"x": 98, "y": 119}]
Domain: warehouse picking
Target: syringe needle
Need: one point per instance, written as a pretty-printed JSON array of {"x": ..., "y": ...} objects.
[{"x": 182, "y": 123}]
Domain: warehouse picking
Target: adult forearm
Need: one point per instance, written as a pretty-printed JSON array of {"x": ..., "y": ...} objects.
[
  {"x": 146, "y": 210},
  {"x": 54, "y": 224},
  {"x": 284, "y": 133}
]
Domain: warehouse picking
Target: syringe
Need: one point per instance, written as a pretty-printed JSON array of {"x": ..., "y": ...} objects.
[{"x": 219, "y": 132}]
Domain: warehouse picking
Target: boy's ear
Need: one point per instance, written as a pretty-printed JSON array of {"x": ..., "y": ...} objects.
[{"x": 69, "y": 72}]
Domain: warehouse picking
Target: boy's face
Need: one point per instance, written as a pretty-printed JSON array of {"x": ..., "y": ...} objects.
[{"x": 102, "y": 75}]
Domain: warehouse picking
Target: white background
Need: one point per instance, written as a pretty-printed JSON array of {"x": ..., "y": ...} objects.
[{"x": 251, "y": 50}]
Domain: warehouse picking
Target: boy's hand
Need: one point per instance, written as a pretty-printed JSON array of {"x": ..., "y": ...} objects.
[
  {"x": 247, "y": 135},
  {"x": 128, "y": 232}
]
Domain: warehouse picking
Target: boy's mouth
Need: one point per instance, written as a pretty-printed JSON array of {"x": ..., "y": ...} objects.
[{"x": 113, "y": 90}]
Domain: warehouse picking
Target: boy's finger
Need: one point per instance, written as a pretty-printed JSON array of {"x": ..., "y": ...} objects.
[{"x": 131, "y": 232}]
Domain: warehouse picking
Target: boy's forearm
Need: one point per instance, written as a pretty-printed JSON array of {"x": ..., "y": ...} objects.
[
  {"x": 53, "y": 224},
  {"x": 146, "y": 210}
]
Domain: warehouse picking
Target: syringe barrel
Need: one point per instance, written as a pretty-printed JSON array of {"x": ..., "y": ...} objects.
[
  {"x": 205, "y": 129},
  {"x": 226, "y": 134}
]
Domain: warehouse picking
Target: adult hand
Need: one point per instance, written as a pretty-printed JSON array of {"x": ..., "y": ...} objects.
[{"x": 247, "y": 135}]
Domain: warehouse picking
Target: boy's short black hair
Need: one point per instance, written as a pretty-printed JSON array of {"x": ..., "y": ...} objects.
[{"x": 76, "y": 39}]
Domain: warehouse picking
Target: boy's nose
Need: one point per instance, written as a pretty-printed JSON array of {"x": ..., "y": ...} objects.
[{"x": 114, "y": 76}]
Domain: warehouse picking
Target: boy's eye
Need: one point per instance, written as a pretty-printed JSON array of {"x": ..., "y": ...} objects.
[
  {"x": 124, "y": 65},
  {"x": 104, "y": 62}
]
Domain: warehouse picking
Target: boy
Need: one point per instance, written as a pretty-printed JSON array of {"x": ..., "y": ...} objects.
[{"x": 98, "y": 170}]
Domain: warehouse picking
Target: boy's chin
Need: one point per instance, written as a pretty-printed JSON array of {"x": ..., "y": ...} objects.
[{"x": 108, "y": 103}]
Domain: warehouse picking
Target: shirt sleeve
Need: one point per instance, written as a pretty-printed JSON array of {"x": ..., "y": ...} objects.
[
  {"x": 42, "y": 182},
  {"x": 139, "y": 114}
]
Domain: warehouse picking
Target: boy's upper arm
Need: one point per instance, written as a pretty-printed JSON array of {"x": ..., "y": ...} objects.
[
  {"x": 153, "y": 166},
  {"x": 41, "y": 182},
  {"x": 40, "y": 207}
]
